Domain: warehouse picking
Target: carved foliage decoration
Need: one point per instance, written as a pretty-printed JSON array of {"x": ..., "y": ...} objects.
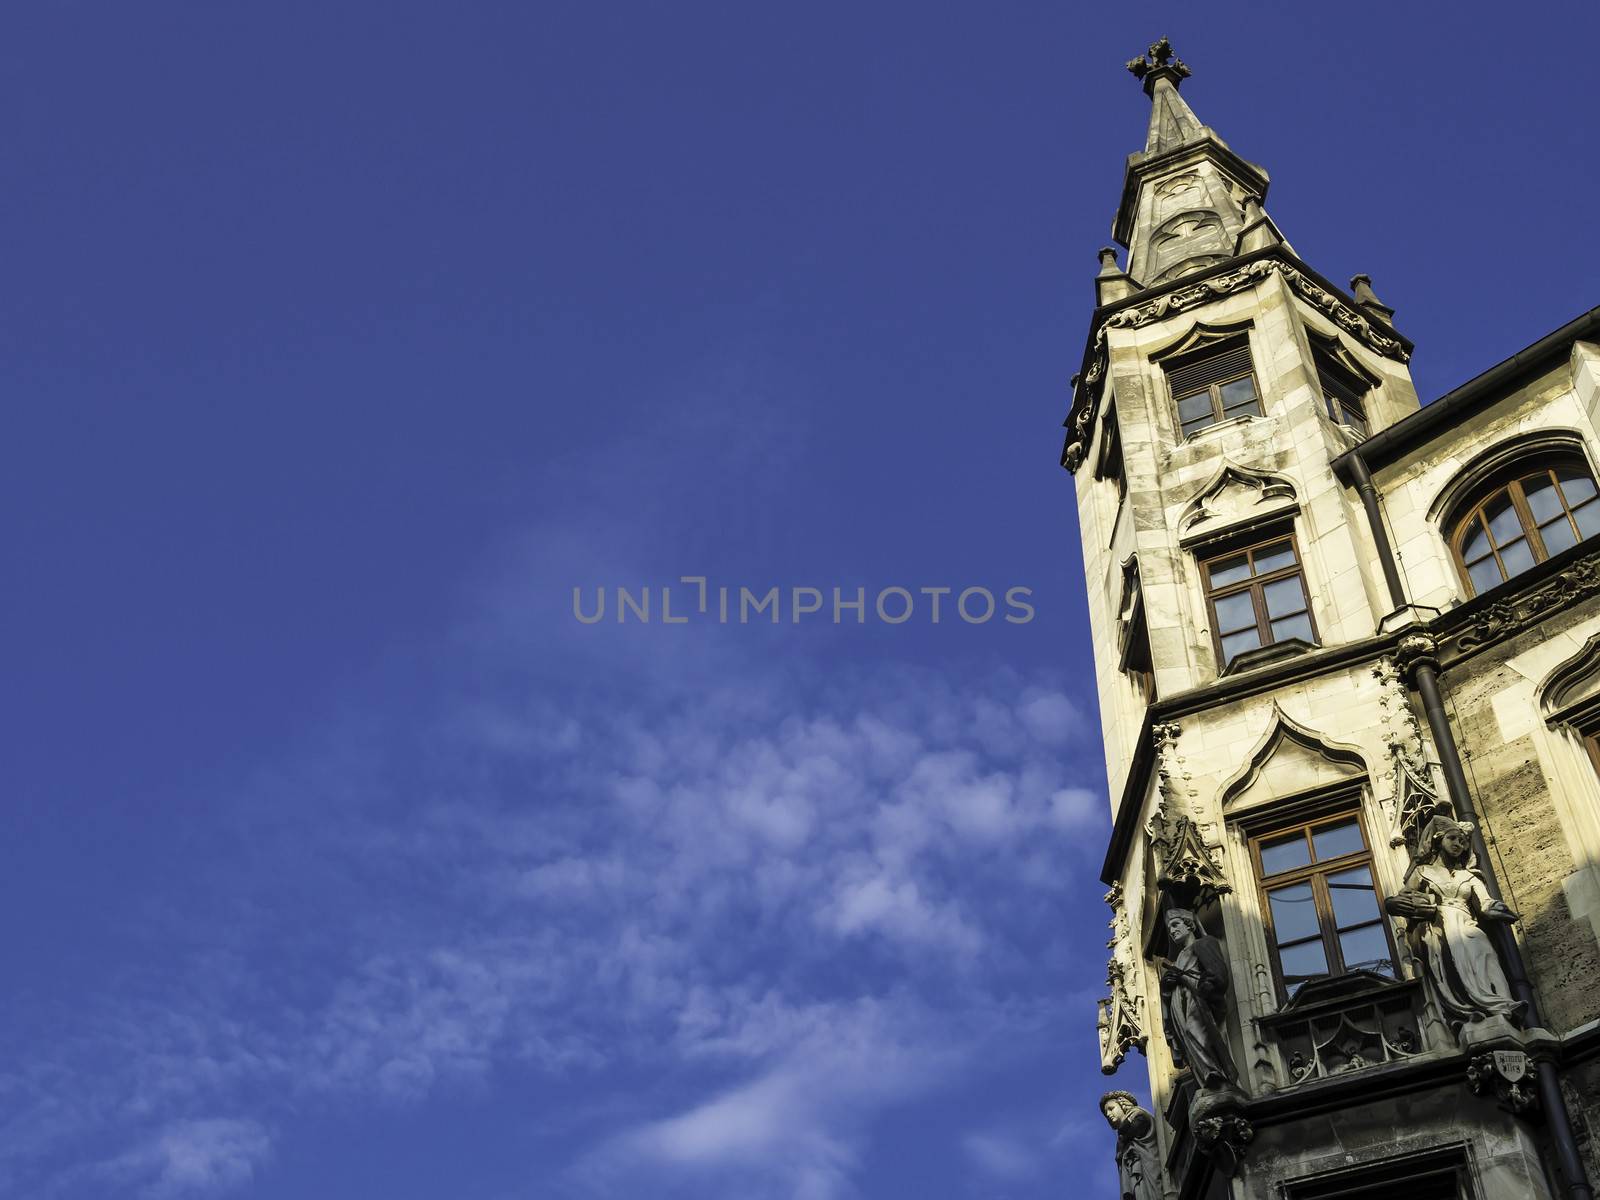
[
  {"x": 1188, "y": 869},
  {"x": 1122, "y": 1013},
  {"x": 1203, "y": 291},
  {"x": 1506, "y": 618},
  {"x": 1414, "y": 796}
]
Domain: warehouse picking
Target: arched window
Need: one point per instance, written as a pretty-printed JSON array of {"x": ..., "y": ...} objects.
[{"x": 1523, "y": 514}]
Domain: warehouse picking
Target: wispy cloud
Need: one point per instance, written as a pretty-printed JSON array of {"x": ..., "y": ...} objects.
[{"x": 786, "y": 910}]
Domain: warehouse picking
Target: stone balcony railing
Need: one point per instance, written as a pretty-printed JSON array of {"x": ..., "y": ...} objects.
[{"x": 1348, "y": 1023}]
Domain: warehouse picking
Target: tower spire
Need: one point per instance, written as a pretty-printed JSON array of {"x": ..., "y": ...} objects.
[
  {"x": 1172, "y": 121},
  {"x": 1183, "y": 197}
]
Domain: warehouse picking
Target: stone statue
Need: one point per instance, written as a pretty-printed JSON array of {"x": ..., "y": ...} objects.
[
  {"x": 1138, "y": 1165},
  {"x": 1445, "y": 904},
  {"x": 1194, "y": 985}
]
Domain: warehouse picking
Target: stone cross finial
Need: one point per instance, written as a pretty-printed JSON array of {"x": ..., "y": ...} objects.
[{"x": 1159, "y": 58}]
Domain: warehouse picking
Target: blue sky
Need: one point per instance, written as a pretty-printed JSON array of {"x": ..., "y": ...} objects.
[{"x": 342, "y": 342}]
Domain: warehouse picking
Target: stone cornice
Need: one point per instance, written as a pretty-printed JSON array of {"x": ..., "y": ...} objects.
[{"x": 1236, "y": 275}]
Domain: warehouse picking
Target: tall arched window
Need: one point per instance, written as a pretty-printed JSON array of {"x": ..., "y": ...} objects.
[{"x": 1523, "y": 514}]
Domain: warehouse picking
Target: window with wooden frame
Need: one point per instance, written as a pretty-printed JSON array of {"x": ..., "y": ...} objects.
[
  {"x": 1344, "y": 393},
  {"x": 1320, "y": 900},
  {"x": 1522, "y": 515},
  {"x": 1215, "y": 384},
  {"x": 1257, "y": 595}
]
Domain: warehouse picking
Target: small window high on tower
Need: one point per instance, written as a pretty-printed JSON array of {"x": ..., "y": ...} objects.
[{"x": 1214, "y": 385}]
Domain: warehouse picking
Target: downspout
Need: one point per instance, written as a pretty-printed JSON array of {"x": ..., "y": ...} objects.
[{"x": 1425, "y": 674}]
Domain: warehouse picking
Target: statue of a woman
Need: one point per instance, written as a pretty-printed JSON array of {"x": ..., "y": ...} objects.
[
  {"x": 1138, "y": 1165},
  {"x": 1445, "y": 902},
  {"x": 1194, "y": 986}
]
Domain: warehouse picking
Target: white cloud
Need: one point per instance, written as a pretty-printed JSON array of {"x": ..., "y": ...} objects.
[
  {"x": 731, "y": 899},
  {"x": 202, "y": 1157}
]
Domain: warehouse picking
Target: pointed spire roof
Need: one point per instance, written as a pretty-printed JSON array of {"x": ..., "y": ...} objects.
[
  {"x": 1182, "y": 206},
  {"x": 1172, "y": 121}
]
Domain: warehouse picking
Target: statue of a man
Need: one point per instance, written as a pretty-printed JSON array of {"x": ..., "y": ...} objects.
[
  {"x": 1138, "y": 1165},
  {"x": 1446, "y": 903},
  {"x": 1194, "y": 988}
]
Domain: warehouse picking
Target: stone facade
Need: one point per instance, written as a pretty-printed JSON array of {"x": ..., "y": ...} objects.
[{"x": 1413, "y": 727}]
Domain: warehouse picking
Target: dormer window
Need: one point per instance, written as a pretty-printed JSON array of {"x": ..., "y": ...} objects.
[{"x": 1214, "y": 384}]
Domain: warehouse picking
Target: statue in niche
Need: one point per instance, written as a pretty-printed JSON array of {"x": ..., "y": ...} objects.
[
  {"x": 1194, "y": 988},
  {"x": 1138, "y": 1165},
  {"x": 1445, "y": 903}
]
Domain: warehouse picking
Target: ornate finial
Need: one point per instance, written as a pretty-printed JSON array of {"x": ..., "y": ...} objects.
[{"x": 1158, "y": 61}]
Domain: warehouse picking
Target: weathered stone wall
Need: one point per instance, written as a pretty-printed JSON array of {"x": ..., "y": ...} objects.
[{"x": 1538, "y": 838}]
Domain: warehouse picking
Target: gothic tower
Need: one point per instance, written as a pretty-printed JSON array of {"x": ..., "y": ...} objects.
[{"x": 1306, "y": 593}]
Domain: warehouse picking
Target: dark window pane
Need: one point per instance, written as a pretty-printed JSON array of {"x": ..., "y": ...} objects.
[
  {"x": 1275, "y": 557},
  {"x": 1558, "y": 535},
  {"x": 1293, "y": 627},
  {"x": 1236, "y": 644},
  {"x": 1229, "y": 570},
  {"x": 1542, "y": 499},
  {"x": 1307, "y": 958},
  {"x": 1284, "y": 854},
  {"x": 1476, "y": 544},
  {"x": 1190, "y": 428},
  {"x": 1576, "y": 484},
  {"x": 1517, "y": 557},
  {"x": 1235, "y": 612},
  {"x": 1365, "y": 947},
  {"x": 1284, "y": 596},
  {"x": 1332, "y": 841},
  {"x": 1294, "y": 913},
  {"x": 1354, "y": 899},
  {"x": 1238, "y": 394},
  {"x": 1504, "y": 523},
  {"x": 1192, "y": 408},
  {"x": 1588, "y": 518},
  {"x": 1355, "y": 418},
  {"x": 1485, "y": 575}
]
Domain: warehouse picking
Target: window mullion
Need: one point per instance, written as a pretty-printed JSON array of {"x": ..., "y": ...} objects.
[
  {"x": 1530, "y": 527},
  {"x": 1327, "y": 923}
]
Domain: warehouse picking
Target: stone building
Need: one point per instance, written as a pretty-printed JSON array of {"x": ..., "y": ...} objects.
[{"x": 1348, "y": 655}]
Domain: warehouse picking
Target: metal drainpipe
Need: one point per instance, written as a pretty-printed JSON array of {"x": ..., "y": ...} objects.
[{"x": 1426, "y": 675}]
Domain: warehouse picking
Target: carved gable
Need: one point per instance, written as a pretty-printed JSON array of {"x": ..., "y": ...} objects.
[
  {"x": 1290, "y": 760},
  {"x": 1233, "y": 496}
]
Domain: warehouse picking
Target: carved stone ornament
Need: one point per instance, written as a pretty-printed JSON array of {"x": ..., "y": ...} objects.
[
  {"x": 1138, "y": 1163},
  {"x": 1506, "y": 618},
  {"x": 1220, "y": 1129},
  {"x": 1235, "y": 493},
  {"x": 1414, "y": 799},
  {"x": 1505, "y": 1075},
  {"x": 1087, "y": 398},
  {"x": 1415, "y": 650},
  {"x": 1159, "y": 56},
  {"x": 1188, "y": 870},
  {"x": 1121, "y": 1018}
]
